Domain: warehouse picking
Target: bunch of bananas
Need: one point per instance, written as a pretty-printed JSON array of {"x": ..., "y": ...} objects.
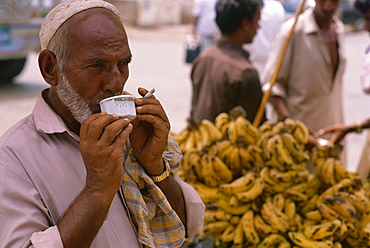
[
  {"x": 259, "y": 193},
  {"x": 197, "y": 135}
]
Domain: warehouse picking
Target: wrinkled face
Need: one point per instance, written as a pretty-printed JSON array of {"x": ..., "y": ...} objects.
[
  {"x": 253, "y": 26},
  {"x": 97, "y": 65},
  {"x": 325, "y": 9}
]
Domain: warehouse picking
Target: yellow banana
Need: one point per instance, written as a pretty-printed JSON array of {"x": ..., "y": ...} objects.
[
  {"x": 228, "y": 234},
  {"x": 314, "y": 215},
  {"x": 224, "y": 148},
  {"x": 289, "y": 125},
  {"x": 265, "y": 126},
  {"x": 365, "y": 234},
  {"x": 341, "y": 233},
  {"x": 233, "y": 160},
  {"x": 295, "y": 195},
  {"x": 238, "y": 240},
  {"x": 234, "y": 201},
  {"x": 216, "y": 215},
  {"x": 215, "y": 228},
  {"x": 223, "y": 172},
  {"x": 279, "y": 200},
  {"x": 210, "y": 176},
  {"x": 297, "y": 150},
  {"x": 240, "y": 184},
  {"x": 221, "y": 120},
  {"x": 277, "y": 127},
  {"x": 273, "y": 162},
  {"x": 263, "y": 229},
  {"x": 252, "y": 193},
  {"x": 272, "y": 240},
  {"x": 339, "y": 171},
  {"x": 283, "y": 155},
  {"x": 224, "y": 204},
  {"x": 256, "y": 153},
  {"x": 214, "y": 133},
  {"x": 205, "y": 136},
  {"x": 310, "y": 205},
  {"x": 302, "y": 241},
  {"x": 198, "y": 140},
  {"x": 285, "y": 244},
  {"x": 301, "y": 132},
  {"x": 189, "y": 143},
  {"x": 289, "y": 208},
  {"x": 328, "y": 213},
  {"x": 234, "y": 220},
  {"x": 283, "y": 176},
  {"x": 328, "y": 172},
  {"x": 344, "y": 207},
  {"x": 353, "y": 229},
  {"x": 208, "y": 194},
  {"x": 248, "y": 228},
  {"x": 252, "y": 132},
  {"x": 270, "y": 216},
  {"x": 266, "y": 175},
  {"x": 323, "y": 230},
  {"x": 359, "y": 200},
  {"x": 246, "y": 159},
  {"x": 342, "y": 185},
  {"x": 337, "y": 245},
  {"x": 232, "y": 132}
]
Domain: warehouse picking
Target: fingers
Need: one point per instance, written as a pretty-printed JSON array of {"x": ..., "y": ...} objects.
[
  {"x": 105, "y": 129},
  {"x": 150, "y": 106}
]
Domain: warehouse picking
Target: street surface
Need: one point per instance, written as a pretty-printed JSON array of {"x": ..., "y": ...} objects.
[{"x": 158, "y": 62}]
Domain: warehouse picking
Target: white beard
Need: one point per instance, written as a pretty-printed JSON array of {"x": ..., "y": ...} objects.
[{"x": 72, "y": 100}]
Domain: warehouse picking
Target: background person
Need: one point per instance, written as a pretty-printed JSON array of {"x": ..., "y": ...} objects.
[
  {"x": 204, "y": 23},
  {"x": 222, "y": 76},
  {"x": 339, "y": 131},
  {"x": 74, "y": 177},
  {"x": 308, "y": 86}
]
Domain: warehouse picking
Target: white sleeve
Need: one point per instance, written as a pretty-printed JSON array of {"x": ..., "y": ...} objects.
[
  {"x": 50, "y": 238},
  {"x": 195, "y": 209}
]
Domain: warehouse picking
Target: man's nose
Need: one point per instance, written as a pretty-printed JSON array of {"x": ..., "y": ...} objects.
[{"x": 114, "y": 81}]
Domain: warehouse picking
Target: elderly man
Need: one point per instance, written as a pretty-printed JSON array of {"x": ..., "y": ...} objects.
[{"x": 74, "y": 177}]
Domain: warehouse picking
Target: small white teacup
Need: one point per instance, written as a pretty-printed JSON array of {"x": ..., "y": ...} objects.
[{"x": 122, "y": 105}]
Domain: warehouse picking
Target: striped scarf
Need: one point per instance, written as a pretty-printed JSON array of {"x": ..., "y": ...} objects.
[{"x": 158, "y": 224}]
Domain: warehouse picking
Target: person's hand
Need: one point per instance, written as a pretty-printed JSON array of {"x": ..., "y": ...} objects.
[
  {"x": 102, "y": 139},
  {"x": 337, "y": 132},
  {"x": 150, "y": 133}
]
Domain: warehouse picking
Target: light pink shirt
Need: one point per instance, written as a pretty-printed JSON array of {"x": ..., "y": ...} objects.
[{"x": 42, "y": 172}]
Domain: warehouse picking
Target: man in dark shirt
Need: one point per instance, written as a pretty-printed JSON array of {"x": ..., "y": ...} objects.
[{"x": 222, "y": 76}]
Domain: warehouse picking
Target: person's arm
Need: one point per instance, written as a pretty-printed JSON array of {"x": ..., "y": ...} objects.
[
  {"x": 102, "y": 138},
  {"x": 280, "y": 107},
  {"x": 339, "y": 131},
  {"x": 148, "y": 140}
]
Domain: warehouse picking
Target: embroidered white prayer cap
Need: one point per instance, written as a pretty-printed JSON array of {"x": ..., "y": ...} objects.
[{"x": 65, "y": 10}]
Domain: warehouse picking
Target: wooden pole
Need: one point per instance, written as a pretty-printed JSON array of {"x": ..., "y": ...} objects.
[{"x": 266, "y": 96}]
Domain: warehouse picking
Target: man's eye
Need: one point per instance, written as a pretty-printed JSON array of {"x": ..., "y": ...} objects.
[{"x": 96, "y": 65}]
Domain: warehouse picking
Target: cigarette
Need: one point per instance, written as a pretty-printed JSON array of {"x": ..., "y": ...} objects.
[{"x": 150, "y": 93}]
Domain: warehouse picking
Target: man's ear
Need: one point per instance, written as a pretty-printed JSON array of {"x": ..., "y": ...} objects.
[
  {"x": 48, "y": 67},
  {"x": 245, "y": 24}
]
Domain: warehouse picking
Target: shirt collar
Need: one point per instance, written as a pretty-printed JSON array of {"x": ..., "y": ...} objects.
[
  {"x": 46, "y": 120},
  {"x": 232, "y": 46},
  {"x": 310, "y": 26}
]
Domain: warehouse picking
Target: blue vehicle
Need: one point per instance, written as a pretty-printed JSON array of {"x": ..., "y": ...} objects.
[{"x": 20, "y": 22}]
